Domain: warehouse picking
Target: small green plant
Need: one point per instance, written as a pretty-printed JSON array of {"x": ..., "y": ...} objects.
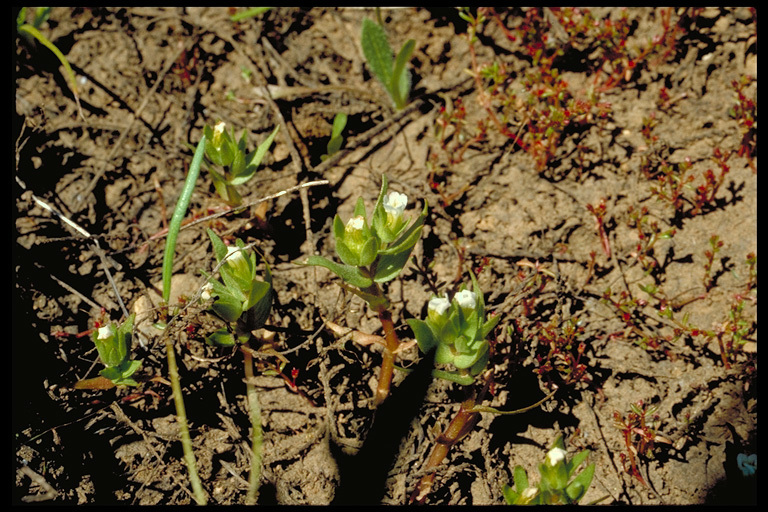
[
  {"x": 374, "y": 254},
  {"x": 223, "y": 150},
  {"x": 32, "y": 30},
  {"x": 334, "y": 144},
  {"x": 114, "y": 346},
  {"x": 389, "y": 70},
  {"x": 243, "y": 300},
  {"x": 457, "y": 329},
  {"x": 560, "y": 483}
]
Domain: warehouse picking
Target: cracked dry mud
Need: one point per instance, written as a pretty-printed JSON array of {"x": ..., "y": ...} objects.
[{"x": 151, "y": 78}]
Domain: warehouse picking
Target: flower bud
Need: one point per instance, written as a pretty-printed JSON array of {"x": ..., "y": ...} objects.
[
  {"x": 437, "y": 308},
  {"x": 105, "y": 332},
  {"x": 394, "y": 204},
  {"x": 466, "y": 301},
  {"x": 206, "y": 293},
  {"x": 354, "y": 228},
  {"x": 237, "y": 261},
  {"x": 218, "y": 131},
  {"x": 555, "y": 455}
]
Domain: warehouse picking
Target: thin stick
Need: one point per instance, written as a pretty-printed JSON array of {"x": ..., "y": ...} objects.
[
  {"x": 254, "y": 410},
  {"x": 181, "y": 415},
  {"x": 85, "y": 234}
]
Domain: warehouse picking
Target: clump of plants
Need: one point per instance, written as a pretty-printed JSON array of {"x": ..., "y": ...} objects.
[{"x": 560, "y": 481}]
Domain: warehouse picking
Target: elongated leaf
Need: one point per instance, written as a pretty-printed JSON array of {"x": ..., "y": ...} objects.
[
  {"x": 521, "y": 479},
  {"x": 178, "y": 216},
  {"x": 578, "y": 487},
  {"x": 219, "y": 247},
  {"x": 255, "y": 158},
  {"x": 339, "y": 123},
  {"x": 401, "y": 77},
  {"x": 377, "y": 52},
  {"x": 348, "y": 273},
  {"x": 574, "y": 463},
  {"x": 390, "y": 265}
]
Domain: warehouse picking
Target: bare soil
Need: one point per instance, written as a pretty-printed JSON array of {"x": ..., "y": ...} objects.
[{"x": 151, "y": 78}]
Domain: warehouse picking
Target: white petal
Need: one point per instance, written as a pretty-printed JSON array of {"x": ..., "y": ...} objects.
[
  {"x": 466, "y": 299},
  {"x": 105, "y": 332}
]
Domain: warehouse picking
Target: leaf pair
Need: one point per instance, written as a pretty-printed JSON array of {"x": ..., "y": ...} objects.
[{"x": 389, "y": 70}]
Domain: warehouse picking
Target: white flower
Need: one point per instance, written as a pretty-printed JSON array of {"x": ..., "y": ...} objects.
[
  {"x": 207, "y": 289},
  {"x": 530, "y": 493},
  {"x": 439, "y": 305},
  {"x": 356, "y": 223},
  {"x": 105, "y": 332},
  {"x": 555, "y": 455},
  {"x": 466, "y": 299},
  {"x": 235, "y": 258},
  {"x": 395, "y": 203},
  {"x": 218, "y": 130}
]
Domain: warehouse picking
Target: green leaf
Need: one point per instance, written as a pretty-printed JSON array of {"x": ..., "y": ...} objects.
[
  {"x": 377, "y": 52},
  {"x": 510, "y": 496},
  {"x": 254, "y": 159},
  {"x": 401, "y": 78},
  {"x": 221, "y": 338},
  {"x": 425, "y": 338},
  {"x": 360, "y": 209},
  {"x": 389, "y": 266},
  {"x": 521, "y": 479},
  {"x": 259, "y": 304},
  {"x": 339, "y": 123},
  {"x": 347, "y": 255},
  {"x": 249, "y": 13},
  {"x": 228, "y": 307},
  {"x": 576, "y": 461},
  {"x": 578, "y": 487},
  {"x": 219, "y": 247},
  {"x": 348, "y": 273}
]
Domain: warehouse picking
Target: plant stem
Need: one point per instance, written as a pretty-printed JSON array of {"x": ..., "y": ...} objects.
[
  {"x": 459, "y": 426},
  {"x": 388, "y": 356},
  {"x": 173, "y": 370},
  {"x": 181, "y": 414},
  {"x": 254, "y": 411}
]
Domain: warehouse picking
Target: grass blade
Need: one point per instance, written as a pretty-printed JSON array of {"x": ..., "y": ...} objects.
[{"x": 178, "y": 216}]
